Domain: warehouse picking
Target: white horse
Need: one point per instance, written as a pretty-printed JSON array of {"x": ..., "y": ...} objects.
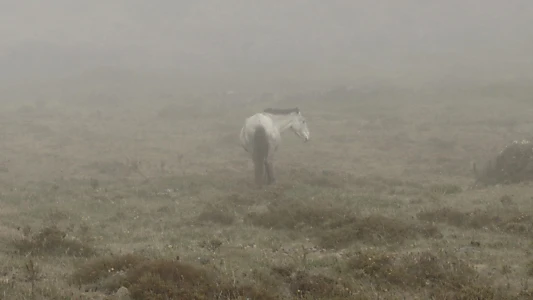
[{"x": 261, "y": 136}]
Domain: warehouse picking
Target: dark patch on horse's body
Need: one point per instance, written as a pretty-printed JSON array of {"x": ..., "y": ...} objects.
[
  {"x": 260, "y": 155},
  {"x": 281, "y": 111}
]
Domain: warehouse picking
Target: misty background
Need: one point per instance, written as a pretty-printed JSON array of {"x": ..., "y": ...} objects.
[{"x": 216, "y": 45}]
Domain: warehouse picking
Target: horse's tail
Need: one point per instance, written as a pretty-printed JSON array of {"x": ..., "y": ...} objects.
[{"x": 260, "y": 153}]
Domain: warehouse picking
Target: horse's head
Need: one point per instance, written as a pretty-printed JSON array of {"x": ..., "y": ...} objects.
[
  {"x": 299, "y": 126},
  {"x": 290, "y": 118}
]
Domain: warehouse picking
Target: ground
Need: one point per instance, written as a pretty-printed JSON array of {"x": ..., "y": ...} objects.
[{"x": 158, "y": 196}]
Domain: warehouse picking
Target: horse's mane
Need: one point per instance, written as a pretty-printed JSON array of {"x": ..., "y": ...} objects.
[{"x": 281, "y": 111}]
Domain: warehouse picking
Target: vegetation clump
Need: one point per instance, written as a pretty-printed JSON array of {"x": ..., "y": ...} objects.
[
  {"x": 160, "y": 278},
  {"x": 52, "y": 241},
  {"x": 513, "y": 164}
]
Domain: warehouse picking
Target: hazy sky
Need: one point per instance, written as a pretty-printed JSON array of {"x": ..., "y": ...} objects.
[{"x": 61, "y": 36}]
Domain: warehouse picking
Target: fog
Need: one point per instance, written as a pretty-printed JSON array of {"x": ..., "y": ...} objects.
[
  {"x": 238, "y": 44},
  {"x": 123, "y": 169}
]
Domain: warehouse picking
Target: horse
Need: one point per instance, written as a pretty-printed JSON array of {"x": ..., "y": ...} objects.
[{"x": 261, "y": 135}]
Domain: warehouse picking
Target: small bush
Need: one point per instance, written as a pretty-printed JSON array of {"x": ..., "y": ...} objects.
[
  {"x": 163, "y": 279},
  {"x": 512, "y": 165}
]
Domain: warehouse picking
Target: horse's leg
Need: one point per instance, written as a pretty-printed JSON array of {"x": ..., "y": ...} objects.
[
  {"x": 270, "y": 172},
  {"x": 259, "y": 169},
  {"x": 269, "y": 164}
]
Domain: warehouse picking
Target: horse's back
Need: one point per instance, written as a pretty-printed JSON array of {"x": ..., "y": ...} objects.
[{"x": 261, "y": 120}]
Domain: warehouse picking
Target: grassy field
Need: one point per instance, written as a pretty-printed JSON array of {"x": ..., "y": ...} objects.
[{"x": 158, "y": 197}]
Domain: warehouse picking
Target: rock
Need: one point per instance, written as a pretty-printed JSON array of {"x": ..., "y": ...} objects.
[{"x": 123, "y": 294}]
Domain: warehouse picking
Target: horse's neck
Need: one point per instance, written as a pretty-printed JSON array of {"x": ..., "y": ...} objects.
[{"x": 282, "y": 122}]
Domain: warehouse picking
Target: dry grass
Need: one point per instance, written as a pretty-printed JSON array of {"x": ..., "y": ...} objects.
[
  {"x": 104, "y": 267},
  {"x": 509, "y": 221},
  {"x": 530, "y": 268},
  {"x": 218, "y": 215},
  {"x": 157, "y": 198},
  {"x": 336, "y": 226},
  {"x": 439, "y": 275},
  {"x": 295, "y": 215},
  {"x": 374, "y": 229},
  {"x": 445, "y": 189}
]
